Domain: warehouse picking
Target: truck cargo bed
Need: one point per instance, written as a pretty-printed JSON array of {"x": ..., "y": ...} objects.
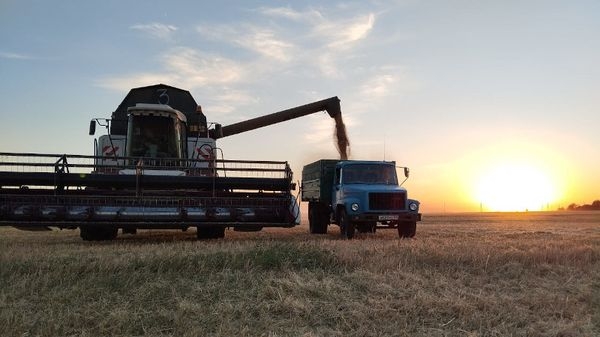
[{"x": 317, "y": 180}]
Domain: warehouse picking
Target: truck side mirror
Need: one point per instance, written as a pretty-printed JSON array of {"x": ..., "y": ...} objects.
[
  {"x": 406, "y": 172},
  {"x": 92, "y": 127}
]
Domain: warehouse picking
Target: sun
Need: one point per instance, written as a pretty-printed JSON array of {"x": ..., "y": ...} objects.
[{"x": 515, "y": 187}]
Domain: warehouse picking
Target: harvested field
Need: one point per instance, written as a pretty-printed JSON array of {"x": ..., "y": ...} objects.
[{"x": 478, "y": 274}]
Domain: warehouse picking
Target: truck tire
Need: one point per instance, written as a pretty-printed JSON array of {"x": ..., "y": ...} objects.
[
  {"x": 407, "y": 229},
  {"x": 97, "y": 233},
  {"x": 347, "y": 227},
  {"x": 318, "y": 218}
]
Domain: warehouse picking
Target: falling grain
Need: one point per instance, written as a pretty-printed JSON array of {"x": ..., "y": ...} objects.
[{"x": 342, "y": 142}]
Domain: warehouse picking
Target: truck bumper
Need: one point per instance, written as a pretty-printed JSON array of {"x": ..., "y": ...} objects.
[{"x": 377, "y": 217}]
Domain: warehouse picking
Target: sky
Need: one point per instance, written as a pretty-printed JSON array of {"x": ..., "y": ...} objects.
[{"x": 483, "y": 100}]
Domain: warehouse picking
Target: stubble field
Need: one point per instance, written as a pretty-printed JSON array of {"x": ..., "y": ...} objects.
[{"x": 479, "y": 274}]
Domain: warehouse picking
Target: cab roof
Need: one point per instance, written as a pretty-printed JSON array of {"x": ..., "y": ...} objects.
[
  {"x": 146, "y": 109},
  {"x": 376, "y": 162}
]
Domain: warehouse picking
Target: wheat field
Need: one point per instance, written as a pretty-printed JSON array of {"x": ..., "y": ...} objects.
[{"x": 479, "y": 274}]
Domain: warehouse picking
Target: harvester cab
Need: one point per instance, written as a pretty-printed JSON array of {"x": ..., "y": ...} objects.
[
  {"x": 159, "y": 127},
  {"x": 156, "y": 131}
]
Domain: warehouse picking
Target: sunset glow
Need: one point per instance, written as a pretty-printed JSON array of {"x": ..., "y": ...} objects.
[{"x": 515, "y": 187}]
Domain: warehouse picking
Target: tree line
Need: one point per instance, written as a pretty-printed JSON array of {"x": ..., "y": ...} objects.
[{"x": 594, "y": 206}]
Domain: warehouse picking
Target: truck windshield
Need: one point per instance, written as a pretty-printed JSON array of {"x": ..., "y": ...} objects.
[
  {"x": 369, "y": 174},
  {"x": 155, "y": 137}
]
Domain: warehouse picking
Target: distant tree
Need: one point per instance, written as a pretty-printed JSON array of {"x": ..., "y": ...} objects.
[{"x": 595, "y": 206}]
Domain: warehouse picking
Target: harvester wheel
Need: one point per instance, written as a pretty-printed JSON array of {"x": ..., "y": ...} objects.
[
  {"x": 204, "y": 233},
  {"x": 218, "y": 232},
  {"x": 346, "y": 225},
  {"x": 98, "y": 233},
  {"x": 407, "y": 229}
]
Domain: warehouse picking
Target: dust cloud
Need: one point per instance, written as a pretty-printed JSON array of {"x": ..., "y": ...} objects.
[{"x": 341, "y": 137}]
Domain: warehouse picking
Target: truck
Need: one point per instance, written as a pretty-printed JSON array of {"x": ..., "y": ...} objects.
[
  {"x": 157, "y": 167},
  {"x": 358, "y": 195}
]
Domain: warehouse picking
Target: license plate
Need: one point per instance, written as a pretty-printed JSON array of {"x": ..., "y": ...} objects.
[{"x": 388, "y": 217}]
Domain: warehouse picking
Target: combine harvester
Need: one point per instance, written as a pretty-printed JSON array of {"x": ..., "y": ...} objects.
[{"x": 157, "y": 168}]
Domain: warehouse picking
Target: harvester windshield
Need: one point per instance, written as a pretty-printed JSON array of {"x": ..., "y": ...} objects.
[{"x": 155, "y": 136}]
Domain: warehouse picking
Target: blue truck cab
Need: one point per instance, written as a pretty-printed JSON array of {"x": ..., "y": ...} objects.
[{"x": 358, "y": 195}]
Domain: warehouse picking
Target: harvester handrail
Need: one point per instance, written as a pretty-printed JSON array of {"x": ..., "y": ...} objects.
[
  {"x": 79, "y": 156},
  {"x": 131, "y": 166},
  {"x": 84, "y": 164}
]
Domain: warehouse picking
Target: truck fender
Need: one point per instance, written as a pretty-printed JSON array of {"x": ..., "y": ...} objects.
[
  {"x": 337, "y": 210},
  {"x": 346, "y": 206},
  {"x": 349, "y": 201},
  {"x": 412, "y": 201}
]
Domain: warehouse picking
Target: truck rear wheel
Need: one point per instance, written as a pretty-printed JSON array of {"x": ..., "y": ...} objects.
[
  {"x": 318, "y": 218},
  {"x": 407, "y": 229},
  {"x": 347, "y": 227}
]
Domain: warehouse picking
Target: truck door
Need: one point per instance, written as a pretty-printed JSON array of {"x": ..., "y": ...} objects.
[{"x": 337, "y": 188}]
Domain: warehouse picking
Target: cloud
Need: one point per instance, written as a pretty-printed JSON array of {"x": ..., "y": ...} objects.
[
  {"x": 326, "y": 62},
  {"x": 213, "y": 79},
  {"x": 156, "y": 30},
  {"x": 187, "y": 66},
  {"x": 308, "y": 16},
  {"x": 379, "y": 85},
  {"x": 260, "y": 40},
  {"x": 302, "y": 44},
  {"x": 125, "y": 82},
  {"x": 14, "y": 56},
  {"x": 324, "y": 36},
  {"x": 338, "y": 32},
  {"x": 388, "y": 81},
  {"x": 342, "y": 34},
  {"x": 315, "y": 39},
  {"x": 200, "y": 69},
  {"x": 263, "y": 41},
  {"x": 227, "y": 100},
  {"x": 321, "y": 131}
]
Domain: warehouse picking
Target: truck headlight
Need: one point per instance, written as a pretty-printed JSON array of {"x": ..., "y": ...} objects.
[
  {"x": 354, "y": 207},
  {"x": 413, "y": 206}
]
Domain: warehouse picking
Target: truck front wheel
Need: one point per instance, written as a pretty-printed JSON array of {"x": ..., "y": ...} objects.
[
  {"x": 407, "y": 229},
  {"x": 347, "y": 227}
]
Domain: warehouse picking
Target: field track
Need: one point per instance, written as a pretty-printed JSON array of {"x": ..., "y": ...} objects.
[{"x": 475, "y": 274}]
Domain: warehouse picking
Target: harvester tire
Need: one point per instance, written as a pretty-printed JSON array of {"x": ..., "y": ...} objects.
[
  {"x": 98, "y": 233},
  {"x": 204, "y": 233},
  {"x": 407, "y": 229},
  {"x": 218, "y": 232}
]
